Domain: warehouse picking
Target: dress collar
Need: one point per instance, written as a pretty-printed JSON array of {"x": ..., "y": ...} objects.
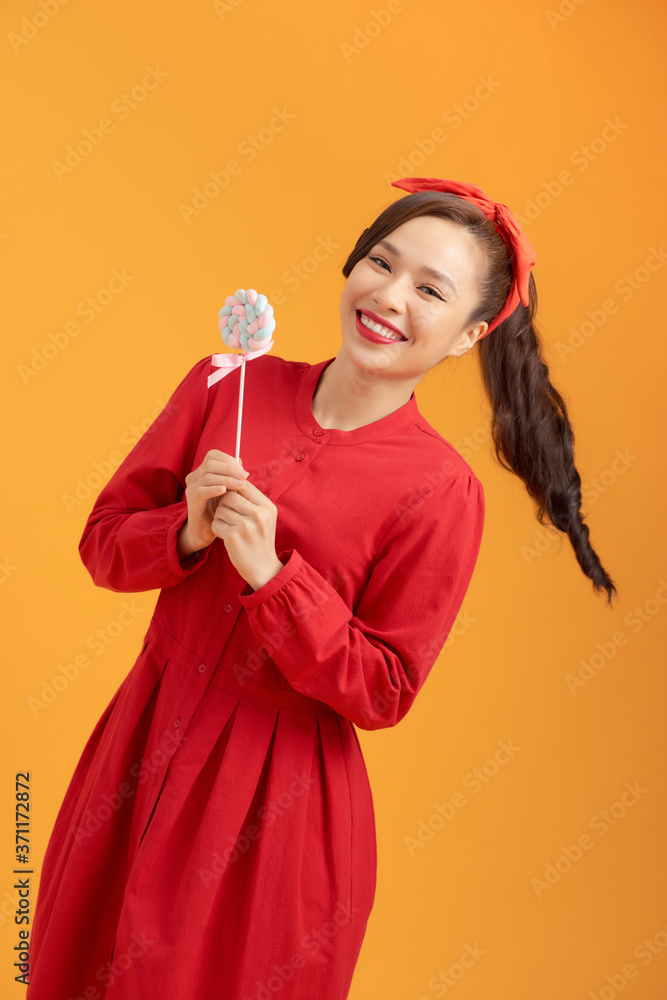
[{"x": 303, "y": 402}]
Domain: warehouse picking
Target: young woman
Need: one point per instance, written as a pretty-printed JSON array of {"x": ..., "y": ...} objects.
[{"x": 217, "y": 838}]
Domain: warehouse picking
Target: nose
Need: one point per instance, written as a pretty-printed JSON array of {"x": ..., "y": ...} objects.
[{"x": 389, "y": 295}]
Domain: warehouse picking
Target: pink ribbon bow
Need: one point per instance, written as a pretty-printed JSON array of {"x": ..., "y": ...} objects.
[{"x": 228, "y": 362}]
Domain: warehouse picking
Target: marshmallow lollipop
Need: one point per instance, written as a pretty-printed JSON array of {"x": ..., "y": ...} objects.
[{"x": 246, "y": 322}]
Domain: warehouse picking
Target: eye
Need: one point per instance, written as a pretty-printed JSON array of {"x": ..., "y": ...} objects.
[
  {"x": 381, "y": 260},
  {"x": 437, "y": 294}
]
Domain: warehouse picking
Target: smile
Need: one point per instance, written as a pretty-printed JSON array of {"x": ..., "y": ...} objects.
[{"x": 376, "y": 328}]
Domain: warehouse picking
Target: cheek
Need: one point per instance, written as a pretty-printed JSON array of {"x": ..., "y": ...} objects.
[
  {"x": 425, "y": 321},
  {"x": 361, "y": 279},
  {"x": 349, "y": 298},
  {"x": 347, "y": 293}
]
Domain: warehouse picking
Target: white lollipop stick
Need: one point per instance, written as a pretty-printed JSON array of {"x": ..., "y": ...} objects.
[{"x": 238, "y": 421}]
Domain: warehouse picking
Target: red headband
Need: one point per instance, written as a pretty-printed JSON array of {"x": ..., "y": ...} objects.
[{"x": 522, "y": 253}]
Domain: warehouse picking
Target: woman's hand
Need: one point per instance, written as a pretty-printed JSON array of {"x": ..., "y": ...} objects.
[
  {"x": 217, "y": 473},
  {"x": 245, "y": 519}
]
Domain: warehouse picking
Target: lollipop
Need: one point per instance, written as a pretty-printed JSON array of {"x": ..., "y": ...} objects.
[{"x": 246, "y": 322}]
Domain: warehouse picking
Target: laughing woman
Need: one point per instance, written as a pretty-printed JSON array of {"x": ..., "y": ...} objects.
[{"x": 217, "y": 838}]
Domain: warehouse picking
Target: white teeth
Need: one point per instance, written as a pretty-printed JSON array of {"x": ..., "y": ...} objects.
[{"x": 377, "y": 328}]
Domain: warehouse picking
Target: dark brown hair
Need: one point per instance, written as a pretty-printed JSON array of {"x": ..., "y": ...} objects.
[{"x": 530, "y": 428}]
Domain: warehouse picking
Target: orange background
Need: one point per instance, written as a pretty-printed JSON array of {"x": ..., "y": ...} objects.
[{"x": 366, "y": 86}]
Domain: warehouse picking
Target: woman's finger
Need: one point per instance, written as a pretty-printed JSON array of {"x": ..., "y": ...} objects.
[
  {"x": 233, "y": 500},
  {"x": 220, "y": 461},
  {"x": 252, "y": 493}
]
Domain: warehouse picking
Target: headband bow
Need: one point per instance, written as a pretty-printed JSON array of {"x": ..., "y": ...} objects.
[{"x": 521, "y": 251}]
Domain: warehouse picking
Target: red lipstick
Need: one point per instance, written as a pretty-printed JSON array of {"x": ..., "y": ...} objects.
[{"x": 369, "y": 334}]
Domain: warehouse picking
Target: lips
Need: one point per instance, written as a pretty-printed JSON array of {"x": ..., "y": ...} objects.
[{"x": 382, "y": 322}]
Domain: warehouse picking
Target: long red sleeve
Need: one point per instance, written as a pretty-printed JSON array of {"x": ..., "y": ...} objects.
[
  {"x": 369, "y": 666},
  {"x": 129, "y": 542}
]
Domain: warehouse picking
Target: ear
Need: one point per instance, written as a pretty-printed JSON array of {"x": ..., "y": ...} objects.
[{"x": 469, "y": 338}]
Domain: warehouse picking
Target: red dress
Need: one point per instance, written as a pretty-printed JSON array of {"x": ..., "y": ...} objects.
[{"x": 217, "y": 838}]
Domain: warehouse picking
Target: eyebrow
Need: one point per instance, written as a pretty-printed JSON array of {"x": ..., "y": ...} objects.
[{"x": 431, "y": 272}]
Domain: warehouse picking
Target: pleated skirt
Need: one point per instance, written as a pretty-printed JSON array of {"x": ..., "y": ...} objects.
[{"x": 213, "y": 842}]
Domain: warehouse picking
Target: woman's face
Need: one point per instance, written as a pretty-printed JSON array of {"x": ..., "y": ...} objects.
[{"x": 396, "y": 283}]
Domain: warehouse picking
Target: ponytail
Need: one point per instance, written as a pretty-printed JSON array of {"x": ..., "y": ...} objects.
[{"x": 531, "y": 431}]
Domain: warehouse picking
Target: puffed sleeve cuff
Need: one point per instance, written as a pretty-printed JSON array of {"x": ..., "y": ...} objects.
[
  {"x": 305, "y": 592},
  {"x": 146, "y": 555},
  {"x": 182, "y": 566},
  {"x": 292, "y": 562}
]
